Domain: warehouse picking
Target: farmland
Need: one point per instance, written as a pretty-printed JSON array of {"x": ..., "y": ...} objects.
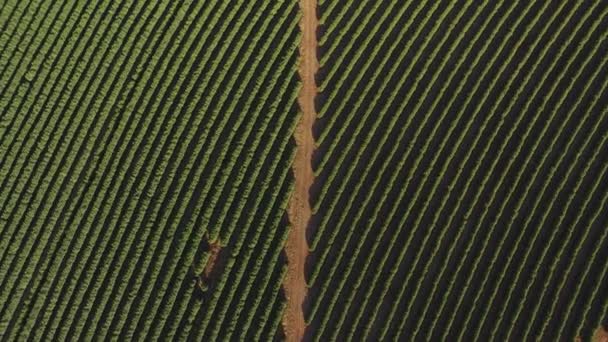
[
  {"x": 137, "y": 141},
  {"x": 461, "y": 171},
  {"x": 296, "y": 170}
]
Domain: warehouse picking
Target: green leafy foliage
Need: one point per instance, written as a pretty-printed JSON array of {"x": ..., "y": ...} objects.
[{"x": 133, "y": 133}]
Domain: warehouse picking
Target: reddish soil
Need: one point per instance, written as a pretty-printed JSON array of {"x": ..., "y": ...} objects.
[
  {"x": 600, "y": 335},
  {"x": 214, "y": 250},
  {"x": 213, "y": 267},
  {"x": 296, "y": 248}
]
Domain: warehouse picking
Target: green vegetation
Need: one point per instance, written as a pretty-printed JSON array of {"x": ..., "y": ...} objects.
[
  {"x": 146, "y": 152},
  {"x": 132, "y": 136},
  {"x": 461, "y": 171}
]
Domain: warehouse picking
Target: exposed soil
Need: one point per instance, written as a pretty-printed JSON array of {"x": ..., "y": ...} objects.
[
  {"x": 216, "y": 260},
  {"x": 600, "y": 335},
  {"x": 296, "y": 248},
  {"x": 214, "y": 252}
]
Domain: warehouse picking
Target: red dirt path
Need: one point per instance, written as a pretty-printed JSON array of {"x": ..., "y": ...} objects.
[{"x": 296, "y": 247}]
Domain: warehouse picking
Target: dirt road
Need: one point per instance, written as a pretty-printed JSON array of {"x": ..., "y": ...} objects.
[{"x": 296, "y": 247}]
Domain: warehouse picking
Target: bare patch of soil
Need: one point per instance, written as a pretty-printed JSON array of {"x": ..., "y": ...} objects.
[
  {"x": 214, "y": 252},
  {"x": 215, "y": 257},
  {"x": 600, "y": 335}
]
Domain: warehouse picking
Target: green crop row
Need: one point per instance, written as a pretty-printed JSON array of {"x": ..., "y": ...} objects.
[
  {"x": 130, "y": 133},
  {"x": 439, "y": 156}
]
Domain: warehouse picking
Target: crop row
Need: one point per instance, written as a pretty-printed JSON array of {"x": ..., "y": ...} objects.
[
  {"x": 468, "y": 137},
  {"x": 131, "y": 133}
]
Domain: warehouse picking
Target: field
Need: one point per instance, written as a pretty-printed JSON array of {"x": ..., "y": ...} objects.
[
  {"x": 461, "y": 171},
  {"x": 295, "y": 170},
  {"x": 137, "y": 139}
]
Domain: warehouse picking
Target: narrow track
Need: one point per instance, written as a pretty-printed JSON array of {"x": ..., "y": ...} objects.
[{"x": 296, "y": 247}]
